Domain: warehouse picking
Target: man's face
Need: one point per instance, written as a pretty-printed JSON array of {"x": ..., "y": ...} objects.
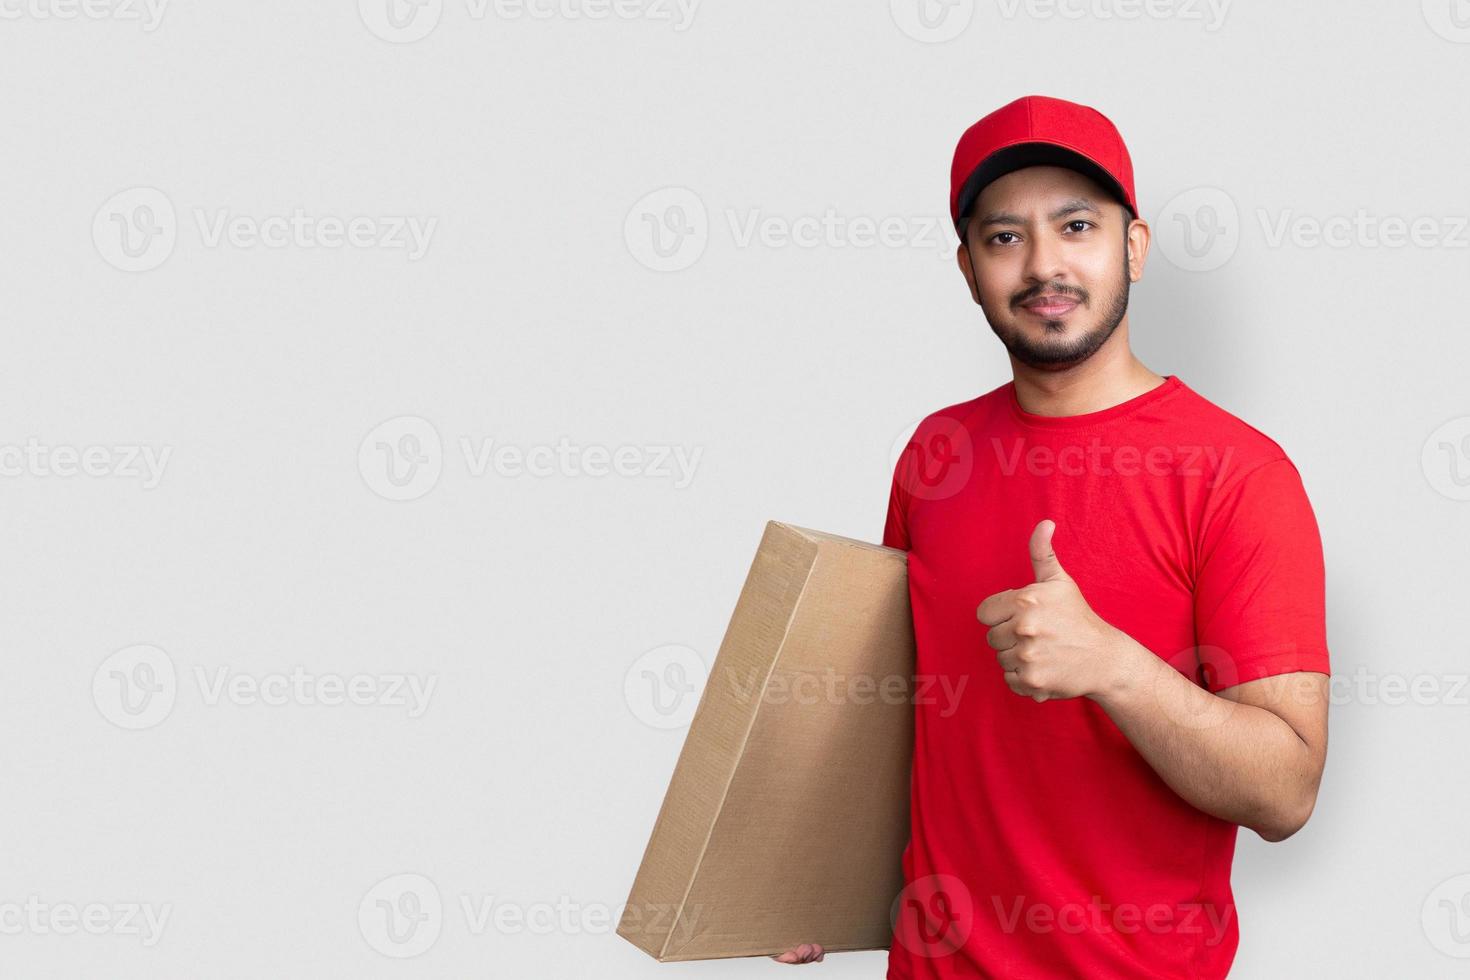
[{"x": 1046, "y": 257}]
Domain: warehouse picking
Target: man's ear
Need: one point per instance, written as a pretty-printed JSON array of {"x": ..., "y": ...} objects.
[
  {"x": 1137, "y": 248},
  {"x": 962, "y": 256}
]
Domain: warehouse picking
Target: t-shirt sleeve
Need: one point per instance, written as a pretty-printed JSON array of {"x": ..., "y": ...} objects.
[
  {"x": 1260, "y": 587},
  {"x": 896, "y": 528}
]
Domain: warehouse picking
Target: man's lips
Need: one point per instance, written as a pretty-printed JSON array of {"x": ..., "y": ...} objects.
[{"x": 1052, "y": 305}]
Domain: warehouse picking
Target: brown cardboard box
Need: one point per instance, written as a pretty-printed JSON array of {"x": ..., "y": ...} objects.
[{"x": 787, "y": 815}]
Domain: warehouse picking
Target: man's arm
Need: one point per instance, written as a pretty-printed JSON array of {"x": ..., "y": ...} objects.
[{"x": 1252, "y": 754}]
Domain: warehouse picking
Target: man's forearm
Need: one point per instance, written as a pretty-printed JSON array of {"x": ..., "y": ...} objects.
[{"x": 1234, "y": 761}]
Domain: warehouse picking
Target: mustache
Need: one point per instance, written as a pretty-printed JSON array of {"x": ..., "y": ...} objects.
[{"x": 1026, "y": 295}]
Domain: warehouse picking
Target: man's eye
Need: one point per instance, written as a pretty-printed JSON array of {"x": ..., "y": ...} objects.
[
  {"x": 1003, "y": 234},
  {"x": 1085, "y": 224}
]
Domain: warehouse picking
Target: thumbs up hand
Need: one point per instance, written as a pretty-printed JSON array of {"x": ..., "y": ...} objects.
[{"x": 1047, "y": 639}]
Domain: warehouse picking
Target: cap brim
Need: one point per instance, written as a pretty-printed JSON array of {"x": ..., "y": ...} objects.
[{"x": 1020, "y": 155}]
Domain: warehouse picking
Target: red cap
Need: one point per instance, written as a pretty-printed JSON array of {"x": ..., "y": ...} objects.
[{"x": 1037, "y": 130}]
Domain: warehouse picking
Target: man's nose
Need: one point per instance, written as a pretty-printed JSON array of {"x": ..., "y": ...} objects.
[{"x": 1043, "y": 260}]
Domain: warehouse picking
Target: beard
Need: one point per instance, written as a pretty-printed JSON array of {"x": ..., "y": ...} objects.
[{"x": 1054, "y": 350}]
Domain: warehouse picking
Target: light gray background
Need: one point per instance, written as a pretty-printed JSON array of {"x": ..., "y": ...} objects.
[{"x": 531, "y": 778}]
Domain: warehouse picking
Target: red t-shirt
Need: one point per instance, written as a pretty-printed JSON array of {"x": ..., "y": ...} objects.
[{"x": 1043, "y": 844}]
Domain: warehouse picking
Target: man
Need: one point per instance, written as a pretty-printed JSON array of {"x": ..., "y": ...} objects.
[{"x": 1131, "y": 581}]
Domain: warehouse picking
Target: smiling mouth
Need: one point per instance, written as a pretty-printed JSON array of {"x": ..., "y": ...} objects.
[{"x": 1050, "y": 306}]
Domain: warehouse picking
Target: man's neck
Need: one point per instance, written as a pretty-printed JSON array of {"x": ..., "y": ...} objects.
[{"x": 1107, "y": 378}]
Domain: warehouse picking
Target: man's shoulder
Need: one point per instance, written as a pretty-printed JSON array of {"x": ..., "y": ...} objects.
[
  {"x": 967, "y": 412},
  {"x": 1233, "y": 439}
]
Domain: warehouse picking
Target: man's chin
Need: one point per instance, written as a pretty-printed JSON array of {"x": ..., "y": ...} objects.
[
  {"x": 1040, "y": 364},
  {"x": 1053, "y": 349}
]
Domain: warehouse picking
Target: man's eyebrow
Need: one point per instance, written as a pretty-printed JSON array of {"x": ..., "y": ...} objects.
[{"x": 1074, "y": 206}]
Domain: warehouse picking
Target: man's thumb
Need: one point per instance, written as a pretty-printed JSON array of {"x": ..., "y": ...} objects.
[{"x": 1043, "y": 559}]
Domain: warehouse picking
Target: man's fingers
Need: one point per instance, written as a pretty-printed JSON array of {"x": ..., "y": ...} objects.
[
  {"x": 1008, "y": 659},
  {"x": 805, "y": 953},
  {"x": 1002, "y": 637},
  {"x": 997, "y": 609},
  {"x": 1013, "y": 681}
]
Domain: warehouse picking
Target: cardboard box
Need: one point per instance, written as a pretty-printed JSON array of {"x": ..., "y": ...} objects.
[{"x": 788, "y": 811}]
